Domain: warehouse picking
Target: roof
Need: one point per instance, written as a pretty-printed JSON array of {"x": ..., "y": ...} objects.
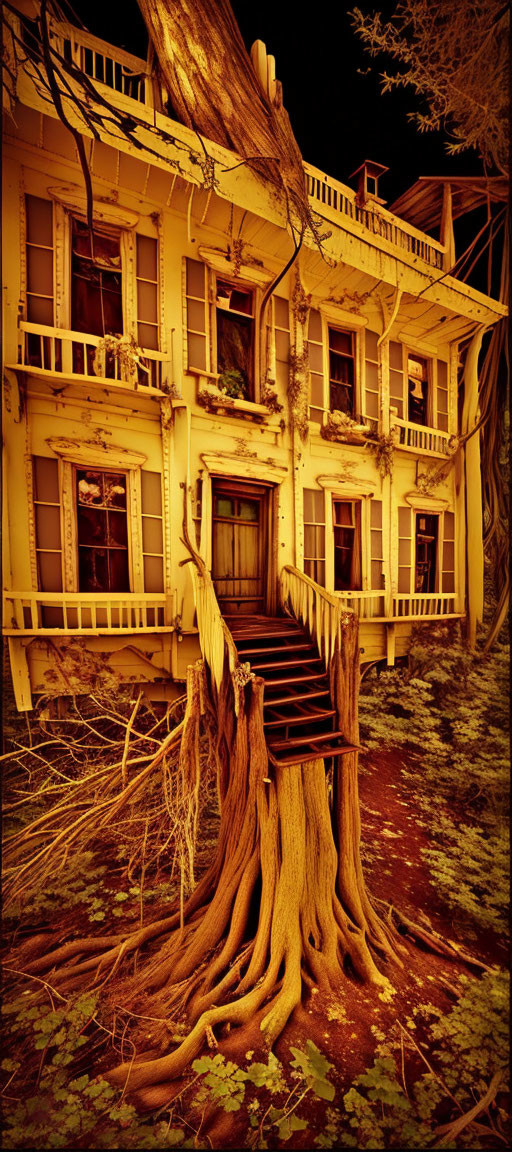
[{"x": 422, "y": 204}]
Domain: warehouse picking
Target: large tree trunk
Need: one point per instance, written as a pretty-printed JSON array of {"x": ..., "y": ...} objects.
[{"x": 284, "y": 904}]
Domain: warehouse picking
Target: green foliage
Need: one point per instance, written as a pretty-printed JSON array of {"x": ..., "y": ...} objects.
[
  {"x": 471, "y": 871},
  {"x": 472, "y": 1041},
  {"x": 231, "y": 381},
  {"x": 79, "y": 884},
  {"x": 448, "y": 712}
]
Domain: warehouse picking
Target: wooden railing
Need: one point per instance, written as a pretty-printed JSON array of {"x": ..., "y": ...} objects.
[
  {"x": 367, "y": 605},
  {"x": 66, "y": 353},
  {"x": 372, "y": 217},
  {"x": 124, "y": 73},
  {"x": 31, "y": 613},
  {"x": 421, "y": 439},
  {"x": 215, "y": 639},
  {"x": 427, "y": 606},
  {"x": 319, "y": 611}
]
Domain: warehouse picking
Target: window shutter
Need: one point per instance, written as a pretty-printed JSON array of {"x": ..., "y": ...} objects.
[
  {"x": 282, "y": 342},
  {"x": 442, "y": 395},
  {"x": 404, "y": 550},
  {"x": 371, "y": 390},
  {"x": 396, "y": 378},
  {"x": 376, "y": 546},
  {"x": 152, "y": 533},
  {"x": 39, "y": 246},
  {"x": 47, "y": 520},
  {"x": 147, "y": 292},
  {"x": 196, "y": 315},
  {"x": 314, "y": 535},
  {"x": 316, "y": 366},
  {"x": 449, "y": 552}
]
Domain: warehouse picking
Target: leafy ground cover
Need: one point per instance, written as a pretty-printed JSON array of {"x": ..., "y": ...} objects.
[{"x": 422, "y": 1067}]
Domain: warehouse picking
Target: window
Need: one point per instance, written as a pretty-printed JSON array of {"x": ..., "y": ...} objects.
[
  {"x": 346, "y": 516},
  {"x": 418, "y": 390},
  {"x": 426, "y": 553},
  {"x": 147, "y": 292},
  {"x": 39, "y": 254},
  {"x": 47, "y": 523},
  {"x": 314, "y": 535},
  {"x": 341, "y": 371},
  {"x": 102, "y": 531},
  {"x": 235, "y": 339},
  {"x": 96, "y": 281}
]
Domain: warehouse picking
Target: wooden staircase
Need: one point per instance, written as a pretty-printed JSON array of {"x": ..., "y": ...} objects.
[{"x": 300, "y": 722}]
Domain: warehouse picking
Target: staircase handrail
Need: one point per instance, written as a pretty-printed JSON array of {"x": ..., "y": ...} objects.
[
  {"x": 318, "y": 610},
  {"x": 215, "y": 638}
]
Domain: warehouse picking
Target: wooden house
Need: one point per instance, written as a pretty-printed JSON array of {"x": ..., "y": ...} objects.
[{"x": 144, "y": 386}]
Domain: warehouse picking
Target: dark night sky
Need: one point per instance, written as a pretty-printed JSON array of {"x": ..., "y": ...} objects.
[{"x": 330, "y": 87}]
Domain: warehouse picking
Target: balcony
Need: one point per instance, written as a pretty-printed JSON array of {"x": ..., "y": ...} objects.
[
  {"x": 341, "y": 202},
  {"x": 74, "y": 356},
  {"x": 372, "y": 605},
  {"x": 425, "y": 607},
  {"x": 417, "y": 438},
  {"x": 87, "y": 614}
]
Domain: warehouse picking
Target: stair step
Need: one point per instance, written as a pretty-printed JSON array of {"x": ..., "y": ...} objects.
[
  {"x": 283, "y": 682},
  {"x": 312, "y": 753},
  {"x": 295, "y": 741},
  {"x": 277, "y": 665},
  {"x": 303, "y": 718},
  {"x": 278, "y": 649},
  {"x": 295, "y": 699},
  {"x": 264, "y": 634}
]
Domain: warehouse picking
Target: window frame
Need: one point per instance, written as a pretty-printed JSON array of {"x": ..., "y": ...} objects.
[
  {"x": 349, "y": 326},
  {"x": 431, "y": 360},
  {"x": 76, "y": 468},
  {"x": 250, "y": 290}
]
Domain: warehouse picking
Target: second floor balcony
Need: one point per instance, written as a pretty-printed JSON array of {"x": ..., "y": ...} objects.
[{"x": 118, "y": 361}]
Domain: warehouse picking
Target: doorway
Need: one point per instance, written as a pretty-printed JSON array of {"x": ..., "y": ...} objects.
[
  {"x": 240, "y": 546},
  {"x": 426, "y": 553}
]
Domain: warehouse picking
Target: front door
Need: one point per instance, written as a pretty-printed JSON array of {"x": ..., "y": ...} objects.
[{"x": 240, "y": 551}]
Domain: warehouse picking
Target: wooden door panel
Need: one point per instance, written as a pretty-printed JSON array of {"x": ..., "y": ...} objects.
[{"x": 238, "y": 562}]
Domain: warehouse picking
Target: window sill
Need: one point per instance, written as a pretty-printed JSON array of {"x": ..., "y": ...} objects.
[{"x": 210, "y": 397}]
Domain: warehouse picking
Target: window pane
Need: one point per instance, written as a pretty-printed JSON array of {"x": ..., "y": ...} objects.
[
  {"x": 47, "y": 526},
  {"x": 147, "y": 337},
  {"x": 117, "y": 529},
  {"x": 317, "y": 391},
  {"x": 224, "y": 506},
  {"x": 442, "y": 422},
  {"x": 320, "y": 541},
  {"x": 404, "y": 551},
  {"x": 340, "y": 341},
  {"x": 376, "y": 544},
  {"x": 316, "y": 415},
  {"x": 153, "y": 574},
  {"x": 308, "y": 505},
  {"x": 92, "y": 525},
  {"x": 404, "y": 522},
  {"x": 372, "y": 350},
  {"x": 449, "y": 525},
  {"x": 46, "y": 480},
  {"x": 195, "y": 279},
  {"x": 146, "y": 257},
  {"x": 442, "y": 374},
  {"x": 151, "y": 493},
  {"x": 50, "y": 571},
  {"x": 90, "y": 488},
  {"x": 376, "y": 513},
  {"x": 40, "y": 271},
  {"x": 147, "y": 302},
  {"x": 318, "y": 505},
  {"x": 377, "y": 576},
  {"x": 309, "y": 541},
  {"x": 342, "y": 512},
  {"x": 448, "y": 582},
  {"x": 449, "y": 555},
  {"x": 315, "y": 358},
  {"x": 196, "y": 315},
  {"x": 315, "y": 325},
  {"x": 282, "y": 317},
  {"x": 395, "y": 355},
  {"x": 396, "y": 385},
  {"x": 372, "y": 405},
  {"x": 197, "y": 352},
  {"x": 372, "y": 376},
  {"x": 248, "y": 510},
  {"x": 39, "y": 221},
  {"x": 234, "y": 347},
  {"x": 118, "y": 570},
  {"x": 282, "y": 345},
  {"x": 39, "y": 311},
  {"x": 152, "y": 540},
  {"x": 93, "y": 570},
  {"x": 404, "y": 580},
  {"x": 114, "y": 490}
]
